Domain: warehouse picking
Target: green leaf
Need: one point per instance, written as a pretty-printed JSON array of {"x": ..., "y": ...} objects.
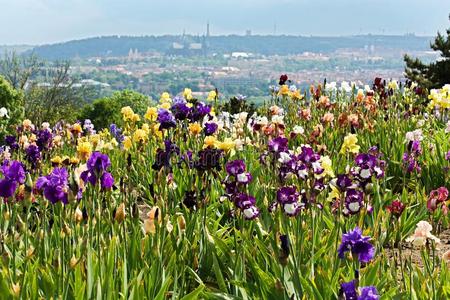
[{"x": 195, "y": 294}]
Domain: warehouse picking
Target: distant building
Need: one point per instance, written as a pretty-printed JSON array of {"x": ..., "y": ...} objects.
[
  {"x": 195, "y": 46},
  {"x": 177, "y": 46},
  {"x": 240, "y": 55},
  {"x": 133, "y": 55},
  {"x": 188, "y": 46},
  {"x": 82, "y": 83}
]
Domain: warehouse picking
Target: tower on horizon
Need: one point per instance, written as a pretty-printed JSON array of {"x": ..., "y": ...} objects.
[{"x": 207, "y": 29}]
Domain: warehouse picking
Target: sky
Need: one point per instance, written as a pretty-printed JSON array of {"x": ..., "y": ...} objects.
[{"x": 49, "y": 21}]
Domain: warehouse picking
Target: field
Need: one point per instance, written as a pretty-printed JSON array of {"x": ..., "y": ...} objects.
[{"x": 337, "y": 191}]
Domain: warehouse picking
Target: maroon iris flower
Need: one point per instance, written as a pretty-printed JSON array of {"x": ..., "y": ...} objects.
[{"x": 283, "y": 79}]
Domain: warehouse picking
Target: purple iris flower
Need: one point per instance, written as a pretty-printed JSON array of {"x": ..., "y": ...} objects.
[
  {"x": 288, "y": 198},
  {"x": 235, "y": 182},
  {"x": 171, "y": 147},
  {"x": 33, "y": 155},
  {"x": 55, "y": 185},
  {"x": 203, "y": 109},
  {"x": 231, "y": 187},
  {"x": 163, "y": 156},
  {"x": 319, "y": 185},
  {"x": 166, "y": 119},
  {"x": 368, "y": 165},
  {"x": 278, "y": 144},
  {"x": 358, "y": 244},
  {"x": 410, "y": 163},
  {"x": 353, "y": 201},
  {"x": 210, "y": 128},
  {"x": 343, "y": 182},
  {"x": 13, "y": 175},
  {"x": 287, "y": 194},
  {"x": 246, "y": 203},
  {"x": 302, "y": 170},
  {"x": 97, "y": 168},
  {"x": 44, "y": 139},
  {"x": 107, "y": 181},
  {"x": 363, "y": 160},
  {"x": 179, "y": 108},
  {"x": 349, "y": 290},
  {"x": 308, "y": 155},
  {"x": 10, "y": 140},
  {"x": 199, "y": 111},
  {"x": 98, "y": 162},
  {"x": 13, "y": 171},
  {"x": 235, "y": 167},
  {"x": 416, "y": 148},
  {"x": 242, "y": 200}
]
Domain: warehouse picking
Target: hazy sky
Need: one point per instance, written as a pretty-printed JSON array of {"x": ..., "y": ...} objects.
[{"x": 48, "y": 21}]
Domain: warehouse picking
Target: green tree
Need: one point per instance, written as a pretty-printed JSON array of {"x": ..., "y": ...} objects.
[
  {"x": 435, "y": 74},
  {"x": 12, "y": 100},
  {"x": 57, "y": 99},
  {"x": 19, "y": 70},
  {"x": 104, "y": 111},
  {"x": 49, "y": 90}
]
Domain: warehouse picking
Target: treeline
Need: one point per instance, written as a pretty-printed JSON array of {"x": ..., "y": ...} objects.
[
  {"x": 60, "y": 98},
  {"x": 266, "y": 45}
]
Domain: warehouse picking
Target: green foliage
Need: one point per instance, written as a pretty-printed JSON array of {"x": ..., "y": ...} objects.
[
  {"x": 101, "y": 112},
  {"x": 13, "y": 101},
  {"x": 236, "y": 105},
  {"x": 265, "y": 44},
  {"x": 86, "y": 249},
  {"x": 104, "y": 111},
  {"x": 435, "y": 74}
]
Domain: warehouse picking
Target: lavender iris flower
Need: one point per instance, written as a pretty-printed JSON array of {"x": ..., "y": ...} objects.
[
  {"x": 369, "y": 293},
  {"x": 117, "y": 133}
]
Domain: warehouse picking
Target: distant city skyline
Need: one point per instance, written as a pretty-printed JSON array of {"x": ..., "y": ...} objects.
[{"x": 50, "y": 21}]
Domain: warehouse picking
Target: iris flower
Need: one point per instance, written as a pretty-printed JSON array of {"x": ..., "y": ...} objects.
[
  {"x": 358, "y": 244},
  {"x": 97, "y": 169},
  {"x": 55, "y": 185},
  {"x": 13, "y": 175}
]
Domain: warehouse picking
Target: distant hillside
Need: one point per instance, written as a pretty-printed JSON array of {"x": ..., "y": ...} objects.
[
  {"x": 19, "y": 49},
  {"x": 268, "y": 45}
]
